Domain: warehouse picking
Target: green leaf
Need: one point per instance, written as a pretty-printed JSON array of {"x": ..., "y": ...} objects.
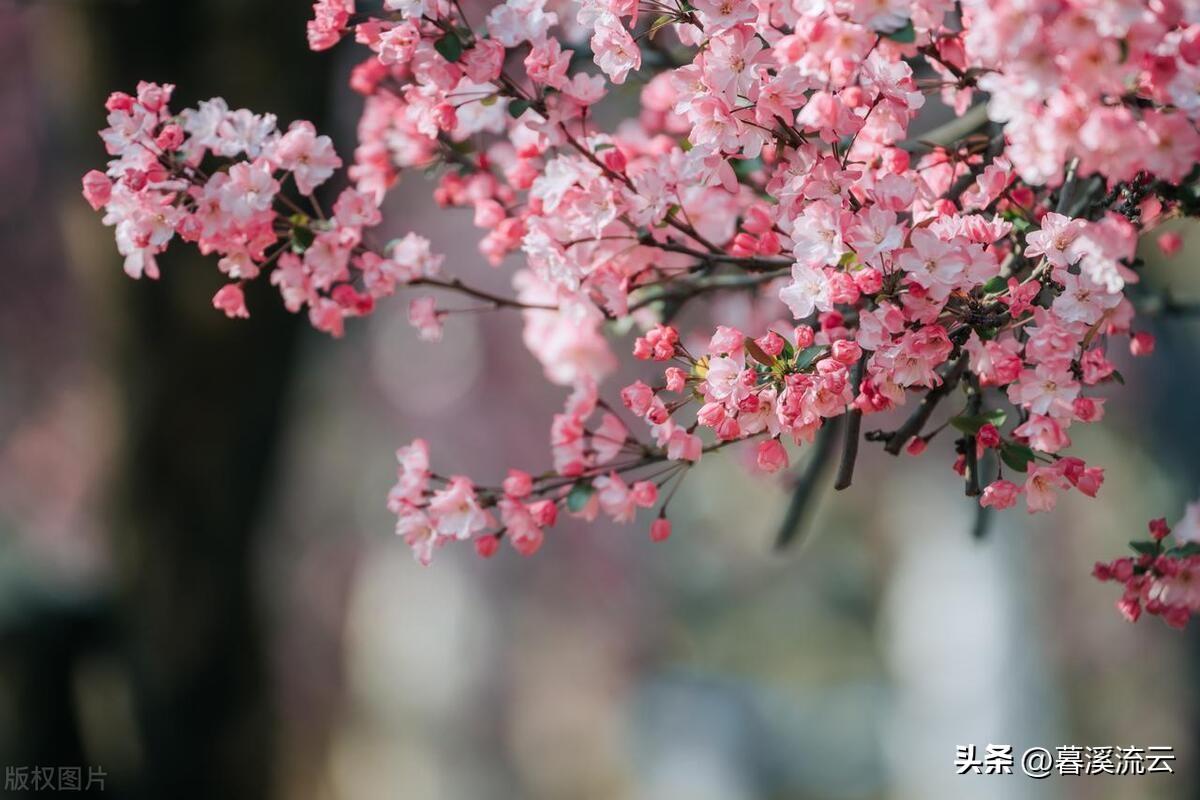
[
  {"x": 996, "y": 284},
  {"x": 449, "y": 47},
  {"x": 970, "y": 424},
  {"x": 1185, "y": 550},
  {"x": 1145, "y": 548},
  {"x": 808, "y": 356},
  {"x": 905, "y": 35},
  {"x": 579, "y": 496},
  {"x": 1118, "y": 377},
  {"x": 301, "y": 238},
  {"x": 490, "y": 100},
  {"x": 517, "y": 107},
  {"x": 1016, "y": 456}
]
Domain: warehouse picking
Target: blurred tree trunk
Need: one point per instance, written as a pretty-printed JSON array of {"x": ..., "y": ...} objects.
[{"x": 202, "y": 400}]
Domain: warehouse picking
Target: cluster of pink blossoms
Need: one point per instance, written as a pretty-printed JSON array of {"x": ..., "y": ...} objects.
[
  {"x": 986, "y": 268},
  {"x": 1163, "y": 579},
  {"x": 215, "y": 178}
]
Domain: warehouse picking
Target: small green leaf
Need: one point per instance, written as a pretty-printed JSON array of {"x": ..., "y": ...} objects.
[
  {"x": 490, "y": 100},
  {"x": 1145, "y": 548},
  {"x": 996, "y": 284},
  {"x": 600, "y": 148},
  {"x": 301, "y": 238},
  {"x": 808, "y": 356},
  {"x": 905, "y": 35},
  {"x": 970, "y": 424},
  {"x": 1185, "y": 550},
  {"x": 1118, "y": 377},
  {"x": 517, "y": 107},
  {"x": 449, "y": 47},
  {"x": 579, "y": 496},
  {"x": 1017, "y": 456}
]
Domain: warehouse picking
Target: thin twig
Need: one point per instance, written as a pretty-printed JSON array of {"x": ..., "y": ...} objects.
[{"x": 455, "y": 285}]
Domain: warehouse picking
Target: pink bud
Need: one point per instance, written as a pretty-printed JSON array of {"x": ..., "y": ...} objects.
[
  {"x": 1159, "y": 528},
  {"x": 846, "y": 351},
  {"x": 728, "y": 429},
  {"x": 869, "y": 280},
  {"x": 726, "y": 340},
  {"x": 915, "y": 446},
  {"x": 170, "y": 138},
  {"x": 486, "y": 546},
  {"x": 772, "y": 456},
  {"x": 769, "y": 244},
  {"x": 1170, "y": 243},
  {"x": 119, "y": 101},
  {"x": 1177, "y": 616},
  {"x": 614, "y": 159},
  {"x": 1141, "y": 343},
  {"x": 97, "y": 189},
  {"x": 544, "y": 513},
  {"x": 770, "y": 343},
  {"x": 518, "y": 483},
  {"x": 988, "y": 436},
  {"x": 229, "y": 298},
  {"x": 644, "y": 493},
  {"x": 744, "y": 244},
  {"x": 660, "y": 529},
  {"x": 710, "y": 415},
  {"x": 1130, "y": 609},
  {"x": 804, "y": 336},
  {"x": 528, "y": 543}
]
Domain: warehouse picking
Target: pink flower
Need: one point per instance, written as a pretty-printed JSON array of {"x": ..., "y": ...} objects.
[
  {"x": 419, "y": 534},
  {"x": 660, "y": 529},
  {"x": 999, "y": 494},
  {"x": 412, "y": 476},
  {"x": 1041, "y": 486},
  {"x": 1170, "y": 243},
  {"x": 328, "y": 22},
  {"x": 807, "y": 293},
  {"x": 1141, "y": 343},
  {"x": 455, "y": 510},
  {"x": 518, "y": 483},
  {"x": 309, "y": 157},
  {"x": 771, "y": 456},
  {"x": 97, "y": 189},
  {"x": 1055, "y": 239},
  {"x": 423, "y": 315},
  {"x": 230, "y": 299},
  {"x": 616, "y": 53},
  {"x": 519, "y": 21}
]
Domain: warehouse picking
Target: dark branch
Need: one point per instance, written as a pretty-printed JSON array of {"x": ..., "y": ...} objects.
[
  {"x": 806, "y": 488},
  {"x": 845, "y": 473}
]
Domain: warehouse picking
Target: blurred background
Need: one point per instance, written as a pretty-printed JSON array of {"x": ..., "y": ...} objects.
[{"x": 201, "y": 596}]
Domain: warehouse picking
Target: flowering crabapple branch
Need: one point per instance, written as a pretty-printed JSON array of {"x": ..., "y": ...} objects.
[{"x": 980, "y": 275}]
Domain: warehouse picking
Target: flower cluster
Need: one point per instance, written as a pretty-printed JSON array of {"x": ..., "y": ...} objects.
[
  {"x": 987, "y": 267},
  {"x": 215, "y": 178},
  {"x": 1163, "y": 579}
]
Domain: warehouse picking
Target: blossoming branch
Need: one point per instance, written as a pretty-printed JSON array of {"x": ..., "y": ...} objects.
[{"x": 979, "y": 274}]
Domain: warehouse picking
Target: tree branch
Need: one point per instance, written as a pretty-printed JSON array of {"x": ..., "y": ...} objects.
[
  {"x": 805, "y": 491},
  {"x": 845, "y": 473}
]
